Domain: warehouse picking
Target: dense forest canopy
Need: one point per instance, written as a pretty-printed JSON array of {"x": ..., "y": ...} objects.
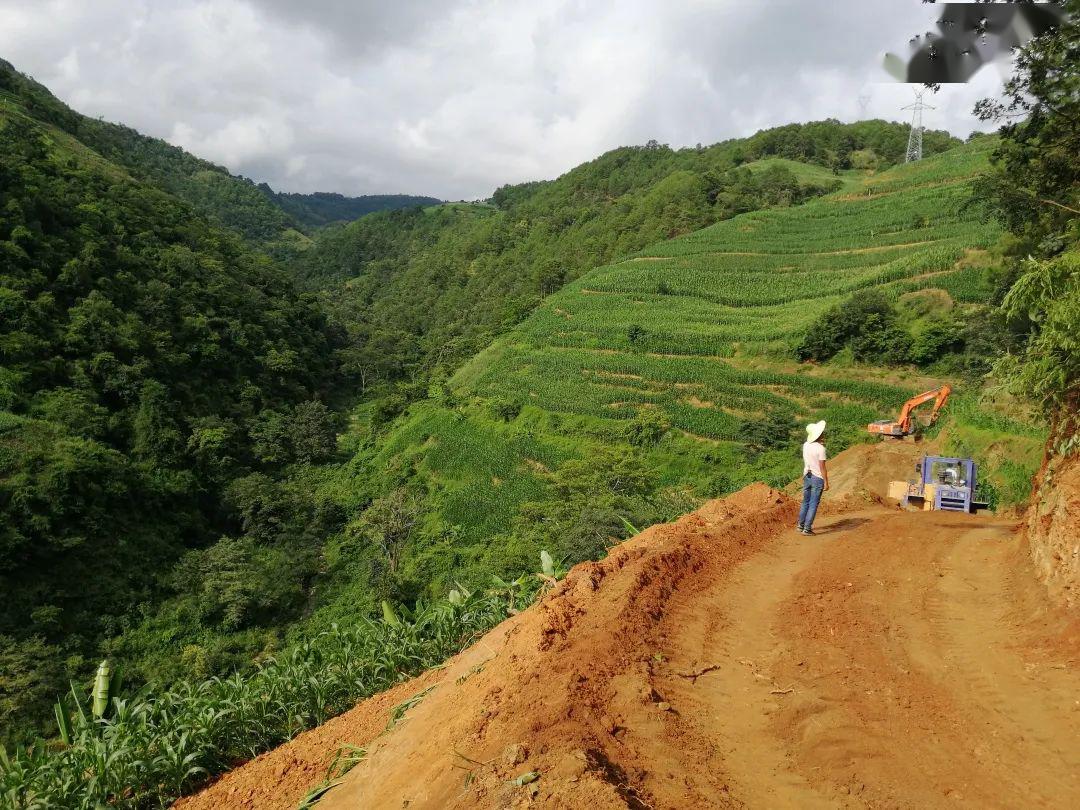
[{"x": 149, "y": 364}]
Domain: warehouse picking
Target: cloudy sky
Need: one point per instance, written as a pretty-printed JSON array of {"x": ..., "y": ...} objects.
[{"x": 455, "y": 97}]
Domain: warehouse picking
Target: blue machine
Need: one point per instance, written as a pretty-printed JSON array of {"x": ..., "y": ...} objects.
[{"x": 954, "y": 479}]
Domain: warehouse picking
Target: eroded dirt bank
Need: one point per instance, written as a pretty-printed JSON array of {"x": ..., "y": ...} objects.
[
  {"x": 896, "y": 660},
  {"x": 1053, "y": 527}
]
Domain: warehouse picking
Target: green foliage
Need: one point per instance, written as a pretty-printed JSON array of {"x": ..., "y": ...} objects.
[
  {"x": 1034, "y": 191},
  {"x": 313, "y": 432},
  {"x": 869, "y": 328},
  {"x": 647, "y": 428},
  {"x": 150, "y": 747},
  {"x": 506, "y": 409},
  {"x": 388, "y": 524},
  {"x": 774, "y": 431},
  {"x": 1034, "y": 187},
  {"x": 936, "y": 340},
  {"x": 859, "y": 321},
  {"x": 1048, "y": 369}
]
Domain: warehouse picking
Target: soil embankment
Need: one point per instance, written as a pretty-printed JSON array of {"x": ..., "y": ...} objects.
[
  {"x": 898, "y": 659},
  {"x": 1053, "y": 527}
]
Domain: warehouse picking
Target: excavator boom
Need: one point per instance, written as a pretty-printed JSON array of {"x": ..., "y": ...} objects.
[{"x": 904, "y": 424}]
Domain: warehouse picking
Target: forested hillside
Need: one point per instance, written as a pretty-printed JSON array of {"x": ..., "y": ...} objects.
[
  {"x": 211, "y": 190},
  {"x": 154, "y": 370}
]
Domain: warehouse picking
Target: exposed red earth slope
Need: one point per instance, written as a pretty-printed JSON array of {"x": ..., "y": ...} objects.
[{"x": 898, "y": 659}]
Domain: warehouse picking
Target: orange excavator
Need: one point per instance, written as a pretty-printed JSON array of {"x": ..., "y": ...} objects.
[{"x": 905, "y": 424}]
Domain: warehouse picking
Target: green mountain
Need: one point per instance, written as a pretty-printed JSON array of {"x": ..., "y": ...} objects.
[
  {"x": 324, "y": 208},
  {"x": 213, "y": 192},
  {"x": 421, "y": 291}
]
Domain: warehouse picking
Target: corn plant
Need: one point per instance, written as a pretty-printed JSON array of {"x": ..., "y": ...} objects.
[{"x": 147, "y": 748}]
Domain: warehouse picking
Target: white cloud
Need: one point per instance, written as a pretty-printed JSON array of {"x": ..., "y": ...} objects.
[{"x": 455, "y": 98}]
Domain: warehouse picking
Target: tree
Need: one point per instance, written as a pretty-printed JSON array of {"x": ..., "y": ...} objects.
[
  {"x": 157, "y": 436},
  {"x": 1047, "y": 370},
  {"x": 859, "y": 319},
  {"x": 314, "y": 433},
  {"x": 1035, "y": 192},
  {"x": 388, "y": 523},
  {"x": 774, "y": 431},
  {"x": 1036, "y": 188},
  {"x": 647, "y": 428}
]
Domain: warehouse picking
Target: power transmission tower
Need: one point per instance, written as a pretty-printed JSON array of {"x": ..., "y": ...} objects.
[
  {"x": 914, "y": 144},
  {"x": 864, "y": 103}
]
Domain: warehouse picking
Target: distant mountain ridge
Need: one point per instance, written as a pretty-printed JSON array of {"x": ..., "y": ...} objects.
[
  {"x": 326, "y": 208},
  {"x": 257, "y": 212}
]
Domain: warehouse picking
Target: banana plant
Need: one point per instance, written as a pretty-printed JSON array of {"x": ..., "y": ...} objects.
[
  {"x": 549, "y": 573},
  {"x": 389, "y": 616},
  {"x": 105, "y": 686}
]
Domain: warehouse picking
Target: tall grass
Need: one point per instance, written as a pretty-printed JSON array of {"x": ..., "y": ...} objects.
[{"x": 148, "y": 748}]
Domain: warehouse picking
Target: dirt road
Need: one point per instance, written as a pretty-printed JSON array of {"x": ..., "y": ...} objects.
[{"x": 896, "y": 660}]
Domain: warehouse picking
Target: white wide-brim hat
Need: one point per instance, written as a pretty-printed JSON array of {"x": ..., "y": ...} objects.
[{"x": 814, "y": 430}]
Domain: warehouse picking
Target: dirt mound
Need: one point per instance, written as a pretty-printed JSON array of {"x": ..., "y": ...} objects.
[
  {"x": 555, "y": 690},
  {"x": 564, "y": 689},
  {"x": 860, "y": 475}
]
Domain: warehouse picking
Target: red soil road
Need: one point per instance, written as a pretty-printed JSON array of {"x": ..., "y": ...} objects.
[{"x": 896, "y": 660}]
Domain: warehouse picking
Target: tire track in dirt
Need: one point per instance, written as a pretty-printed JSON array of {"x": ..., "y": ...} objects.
[
  {"x": 911, "y": 684},
  {"x": 728, "y": 636}
]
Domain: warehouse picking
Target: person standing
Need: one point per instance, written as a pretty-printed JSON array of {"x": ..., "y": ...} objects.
[{"x": 815, "y": 476}]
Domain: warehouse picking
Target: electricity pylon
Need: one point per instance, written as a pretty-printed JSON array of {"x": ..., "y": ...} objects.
[
  {"x": 864, "y": 103},
  {"x": 914, "y": 144}
]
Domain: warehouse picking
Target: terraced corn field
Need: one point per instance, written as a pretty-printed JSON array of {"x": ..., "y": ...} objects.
[
  {"x": 698, "y": 333},
  {"x": 673, "y": 327}
]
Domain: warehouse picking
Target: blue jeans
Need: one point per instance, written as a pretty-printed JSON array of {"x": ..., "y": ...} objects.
[{"x": 811, "y": 494}]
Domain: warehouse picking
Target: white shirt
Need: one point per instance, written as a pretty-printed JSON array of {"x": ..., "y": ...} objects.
[{"x": 813, "y": 454}]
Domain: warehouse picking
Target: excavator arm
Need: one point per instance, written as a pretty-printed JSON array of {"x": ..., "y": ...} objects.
[
  {"x": 904, "y": 424},
  {"x": 939, "y": 395}
]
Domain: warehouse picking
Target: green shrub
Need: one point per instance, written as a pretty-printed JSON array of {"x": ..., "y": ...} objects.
[
  {"x": 506, "y": 410},
  {"x": 937, "y": 339},
  {"x": 1048, "y": 368},
  {"x": 647, "y": 428},
  {"x": 773, "y": 431},
  {"x": 859, "y": 318}
]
